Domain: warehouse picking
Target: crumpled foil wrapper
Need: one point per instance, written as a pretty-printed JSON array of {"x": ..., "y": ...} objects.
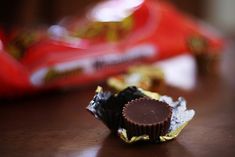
[
  {"x": 108, "y": 108},
  {"x": 143, "y": 76}
]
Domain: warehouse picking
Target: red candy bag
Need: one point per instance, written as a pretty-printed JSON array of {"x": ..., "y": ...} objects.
[{"x": 114, "y": 35}]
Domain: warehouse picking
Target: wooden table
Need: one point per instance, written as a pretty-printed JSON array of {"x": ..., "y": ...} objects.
[{"x": 57, "y": 124}]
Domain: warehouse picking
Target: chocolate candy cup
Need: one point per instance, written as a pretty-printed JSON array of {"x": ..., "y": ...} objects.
[
  {"x": 146, "y": 116},
  {"x": 108, "y": 107}
]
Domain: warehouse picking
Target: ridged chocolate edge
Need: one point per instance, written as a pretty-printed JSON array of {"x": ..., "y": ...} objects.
[{"x": 153, "y": 130}]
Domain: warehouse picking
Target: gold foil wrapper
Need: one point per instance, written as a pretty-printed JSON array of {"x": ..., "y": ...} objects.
[
  {"x": 144, "y": 76},
  {"x": 169, "y": 136},
  {"x": 173, "y": 132},
  {"x": 123, "y": 135}
]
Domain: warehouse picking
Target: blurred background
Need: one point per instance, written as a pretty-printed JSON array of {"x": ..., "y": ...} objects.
[
  {"x": 47, "y": 62},
  {"x": 35, "y": 122},
  {"x": 27, "y": 12}
]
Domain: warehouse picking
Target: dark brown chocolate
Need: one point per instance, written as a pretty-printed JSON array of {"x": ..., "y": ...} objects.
[
  {"x": 108, "y": 107},
  {"x": 147, "y": 116}
]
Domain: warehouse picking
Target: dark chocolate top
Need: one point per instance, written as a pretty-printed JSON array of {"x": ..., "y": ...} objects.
[{"x": 146, "y": 111}]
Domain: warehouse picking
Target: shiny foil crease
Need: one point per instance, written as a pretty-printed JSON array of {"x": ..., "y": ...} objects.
[{"x": 108, "y": 108}]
